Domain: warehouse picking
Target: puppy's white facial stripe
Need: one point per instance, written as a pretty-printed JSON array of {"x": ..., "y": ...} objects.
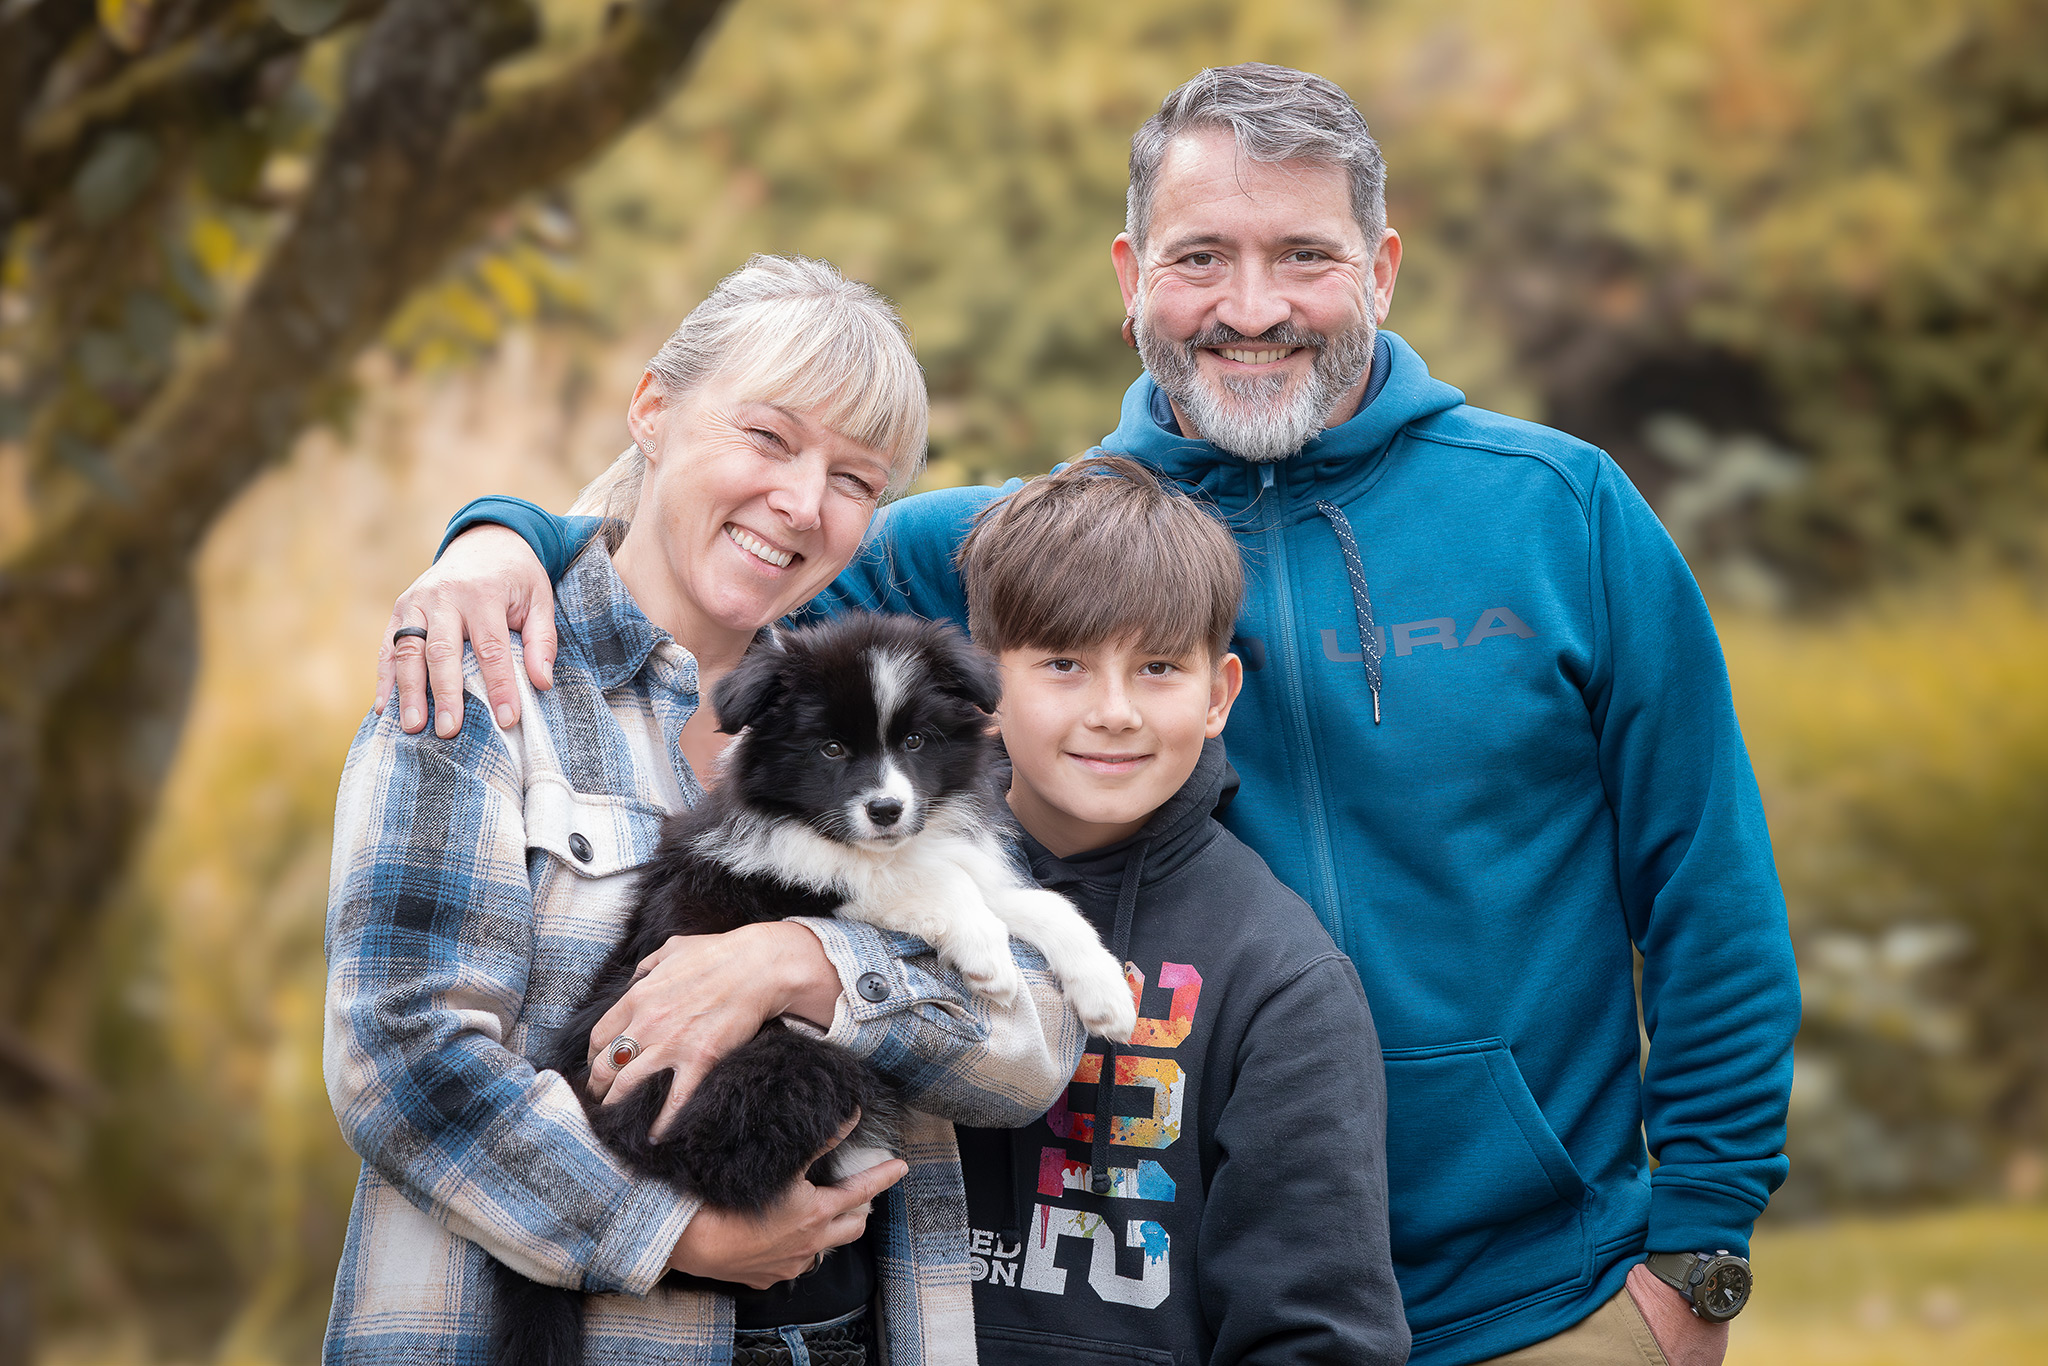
[
  {"x": 891, "y": 674},
  {"x": 895, "y": 783}
]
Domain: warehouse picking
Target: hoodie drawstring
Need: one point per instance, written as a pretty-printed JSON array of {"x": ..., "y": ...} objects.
[
  {"x": 1369, "y": 645},
  {"x": 1020, "y": 1217},
  {"x": 1120, "y": 949}
]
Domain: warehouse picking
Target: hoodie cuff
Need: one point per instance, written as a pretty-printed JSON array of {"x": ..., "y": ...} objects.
[
  {"x": 633, "y": 1252},
  {"x": 556, "y": 542},
  {"x": 1687, "y": 1215}
]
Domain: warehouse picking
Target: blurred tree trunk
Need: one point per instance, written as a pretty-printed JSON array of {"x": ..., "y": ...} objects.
[{"x": 96, "y": 613}]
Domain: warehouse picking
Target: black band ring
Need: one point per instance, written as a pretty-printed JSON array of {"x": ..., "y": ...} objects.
[{"x": 402, "y": 632}]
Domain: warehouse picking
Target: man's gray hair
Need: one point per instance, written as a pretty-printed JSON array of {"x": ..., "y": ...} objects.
[
  {"x": 1277, "y": 114},
  {"x": 793, "y": 331}
]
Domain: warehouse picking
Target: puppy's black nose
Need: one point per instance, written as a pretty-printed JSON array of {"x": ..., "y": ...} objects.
[{"x": 885, "y": 811}]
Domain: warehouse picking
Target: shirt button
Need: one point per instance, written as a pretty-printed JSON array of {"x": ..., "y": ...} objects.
[
  {"x": 873, "y": 986},
  {"x": 580, "y": 847}
]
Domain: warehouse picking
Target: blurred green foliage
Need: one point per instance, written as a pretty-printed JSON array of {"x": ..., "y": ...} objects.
[
  {"x": 1903, "y": 753},
  {"x": 1784, "y": 259}
]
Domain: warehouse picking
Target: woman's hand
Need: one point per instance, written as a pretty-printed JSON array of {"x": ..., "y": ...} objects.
[
  {"x": 487, "y": 584},
  {"x": 698, "y": 997},
  {"x": 784, "y": 1242}
]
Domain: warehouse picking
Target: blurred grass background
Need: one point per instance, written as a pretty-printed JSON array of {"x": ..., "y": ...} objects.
[{"x": 1784, "y": 260}]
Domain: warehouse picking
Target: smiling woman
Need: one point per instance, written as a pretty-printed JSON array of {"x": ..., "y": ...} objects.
[
  {"x": 483, "y": 873},
  {"x": 765, "y": 432}
]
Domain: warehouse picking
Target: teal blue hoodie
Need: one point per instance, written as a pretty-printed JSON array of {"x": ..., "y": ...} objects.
[{"x": 1556, "y": 776}]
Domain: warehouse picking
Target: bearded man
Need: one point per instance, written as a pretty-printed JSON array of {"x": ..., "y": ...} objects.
[{"x": 1485, "y": 731}]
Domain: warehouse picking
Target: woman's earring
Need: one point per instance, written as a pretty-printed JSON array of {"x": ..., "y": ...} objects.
[{"x": 1130, "y": 332}]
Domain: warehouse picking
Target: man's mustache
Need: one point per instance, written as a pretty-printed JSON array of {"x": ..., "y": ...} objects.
[{"x": 1282, "y": 334}]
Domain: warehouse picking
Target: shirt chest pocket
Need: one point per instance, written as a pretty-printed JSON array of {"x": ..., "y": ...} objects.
[{"x": 592, "y": 837}]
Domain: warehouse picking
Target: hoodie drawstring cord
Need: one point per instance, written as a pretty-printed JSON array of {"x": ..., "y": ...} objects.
[
  {"x": 1369, "y": 646},
  {"x": 1020, "y": 1217},
  {"x": 1120, "y": 949}
]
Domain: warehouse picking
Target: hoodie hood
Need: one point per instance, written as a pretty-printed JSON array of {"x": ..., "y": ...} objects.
[{"x": 1343, "y": 458}]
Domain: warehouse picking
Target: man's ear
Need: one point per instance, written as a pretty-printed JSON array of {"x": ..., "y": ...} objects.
[
  {"x": 757, "y": 683},
  {"x": 960, "y": 667},
  {"x": 1386, "y": 264},
  {"x": 1124, "y": 257}
]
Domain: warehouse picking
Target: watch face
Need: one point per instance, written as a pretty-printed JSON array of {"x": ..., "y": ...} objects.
[{"x": 1724, "y": 1289}]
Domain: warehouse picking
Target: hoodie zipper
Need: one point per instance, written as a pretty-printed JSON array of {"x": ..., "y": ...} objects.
[{"x": 1308, "y": 788}]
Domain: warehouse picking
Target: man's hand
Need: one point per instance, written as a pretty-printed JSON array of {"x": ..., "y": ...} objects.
[
  {"x": 698, "y": 997},
  {"x": 1687, "y": 1339},
  {"x": 488, "y": 584},
  {"x": 784, "y": 1242}
]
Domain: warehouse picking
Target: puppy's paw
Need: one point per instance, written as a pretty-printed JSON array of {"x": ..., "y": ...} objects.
[
  {"x": 1102, "y": 998},
  {"x": 978, "y": 947},
  {"x": 993, "y": 975}
]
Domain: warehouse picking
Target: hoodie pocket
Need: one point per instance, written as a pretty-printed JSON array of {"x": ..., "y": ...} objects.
[{"x": 1487, "y": 1208}]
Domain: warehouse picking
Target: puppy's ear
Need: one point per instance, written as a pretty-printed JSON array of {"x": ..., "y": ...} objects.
[
  {"x": 959, "y": 667},
  {"x": 743, "y": 696}
]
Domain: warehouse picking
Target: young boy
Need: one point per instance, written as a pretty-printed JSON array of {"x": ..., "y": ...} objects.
[{"x": 1214, "y": 1191}]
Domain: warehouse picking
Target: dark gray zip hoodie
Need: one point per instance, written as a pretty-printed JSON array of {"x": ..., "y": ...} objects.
[{"x": 1234, "y": 1208}]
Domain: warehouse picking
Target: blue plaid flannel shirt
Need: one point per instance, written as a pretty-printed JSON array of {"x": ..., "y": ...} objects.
[{"x": 462, "y": 928}]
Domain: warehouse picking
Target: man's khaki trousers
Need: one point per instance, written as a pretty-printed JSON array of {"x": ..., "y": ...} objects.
[{"x": 1615, "y": 1334}]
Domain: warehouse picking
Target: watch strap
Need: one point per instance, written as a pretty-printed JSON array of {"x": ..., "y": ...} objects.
[
  {"x": 1673, "y": 1268},
  {"x": 1685, "y": 1272}
]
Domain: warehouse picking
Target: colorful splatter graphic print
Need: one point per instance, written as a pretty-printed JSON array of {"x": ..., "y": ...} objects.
[{"x": 1067, "y": 1208}]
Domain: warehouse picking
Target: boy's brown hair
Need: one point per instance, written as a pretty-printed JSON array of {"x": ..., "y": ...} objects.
[{"x": 1103, "y": 551}]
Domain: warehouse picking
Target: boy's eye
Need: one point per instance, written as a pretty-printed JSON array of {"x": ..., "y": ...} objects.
[
  {"x": 1062, "y": 666},
  {"x": 1158, "y": 668},
  {"x": 832, "y": 749},
  {"x": 913, "y": 741}
]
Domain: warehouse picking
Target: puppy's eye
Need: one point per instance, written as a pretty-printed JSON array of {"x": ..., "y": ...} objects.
[
  {"x": 913, "y": 741},
  {"x": 832, "y": 749}
]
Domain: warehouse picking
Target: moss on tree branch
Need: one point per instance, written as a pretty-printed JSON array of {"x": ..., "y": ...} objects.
[{"x": 410, "y": 170}]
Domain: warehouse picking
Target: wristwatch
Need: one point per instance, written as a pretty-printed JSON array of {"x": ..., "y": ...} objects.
[{"x": 1716, "y": 1284}]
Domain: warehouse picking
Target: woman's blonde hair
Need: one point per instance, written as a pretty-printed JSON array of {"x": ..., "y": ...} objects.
[{"x": 792, "y": 331}]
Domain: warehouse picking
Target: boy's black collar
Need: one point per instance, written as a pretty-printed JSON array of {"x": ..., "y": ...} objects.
[{"x": 1176, "y": 829}]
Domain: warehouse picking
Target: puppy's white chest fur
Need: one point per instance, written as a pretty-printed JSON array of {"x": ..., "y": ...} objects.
[{"x": 951, "y": 886}]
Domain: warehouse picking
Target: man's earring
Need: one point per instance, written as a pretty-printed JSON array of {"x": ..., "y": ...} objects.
[{"x": 1130, "y": 332}]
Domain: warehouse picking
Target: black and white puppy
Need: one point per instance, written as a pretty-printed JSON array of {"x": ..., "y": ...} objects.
[{"x": 859, "y": 785}]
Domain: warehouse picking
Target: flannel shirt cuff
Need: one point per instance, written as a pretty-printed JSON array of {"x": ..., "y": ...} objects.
[
  {"x": 879, "y": 980},
  {"x": 633, "y": 1252}
]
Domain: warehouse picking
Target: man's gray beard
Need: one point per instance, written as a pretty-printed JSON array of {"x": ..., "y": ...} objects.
[{"x": 1254, "y": 418}]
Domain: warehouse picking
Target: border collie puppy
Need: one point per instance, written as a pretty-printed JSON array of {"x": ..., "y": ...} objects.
[{"x": 859, "y": 785}]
